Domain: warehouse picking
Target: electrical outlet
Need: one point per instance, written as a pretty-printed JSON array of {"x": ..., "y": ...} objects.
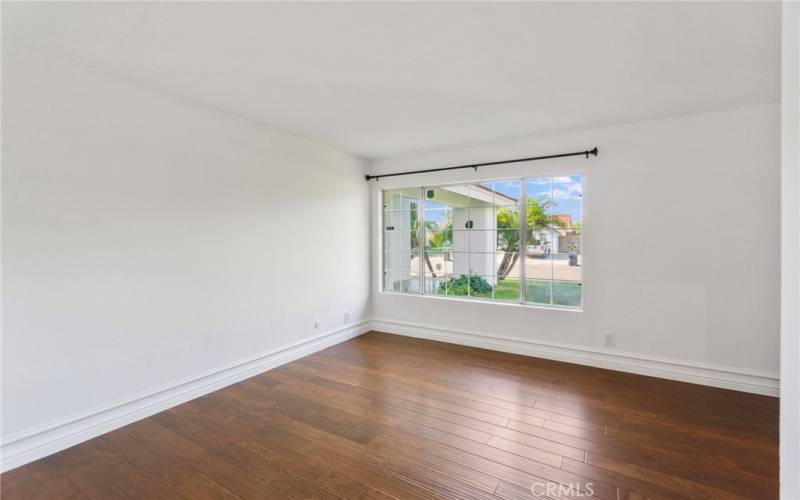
[
  {"x": 317, "y": 324},
  {"x": 609, "y": 340},
  {"x": 347, "y": 316}
]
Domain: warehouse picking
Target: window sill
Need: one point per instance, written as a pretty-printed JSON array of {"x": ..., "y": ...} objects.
[{"x": 484, "y": 301}]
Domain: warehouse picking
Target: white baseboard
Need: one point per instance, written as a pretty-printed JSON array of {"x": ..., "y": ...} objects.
[
  {"x": 696, "y": 373},
  {"x": 32, "y": 444}
]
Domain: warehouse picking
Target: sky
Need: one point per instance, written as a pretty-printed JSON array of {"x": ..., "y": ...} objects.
[{"x": 564, "y": 191}]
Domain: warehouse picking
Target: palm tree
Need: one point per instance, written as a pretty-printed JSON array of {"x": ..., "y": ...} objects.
[
  {"x": 436, "y": 237},
  {"x": 537, "y": 219}
]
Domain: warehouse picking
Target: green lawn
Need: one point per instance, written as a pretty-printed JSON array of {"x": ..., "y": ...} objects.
[{"x": 564, "y": 293}]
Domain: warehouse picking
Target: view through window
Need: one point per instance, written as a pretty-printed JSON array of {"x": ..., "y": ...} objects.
[{"x": 470, "y": 240}]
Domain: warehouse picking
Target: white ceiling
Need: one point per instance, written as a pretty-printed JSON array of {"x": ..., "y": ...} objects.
[{"x": 387, "y": 79}]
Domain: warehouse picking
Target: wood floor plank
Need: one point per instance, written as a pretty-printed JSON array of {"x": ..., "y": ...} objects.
[
  {"x": 89, "y": 476},
  {"x": 502, "y": 465},
  {"x": 412, "y": 403},
  {"x": 11, "y": 486},
  {"x": 261, "y": 436},
  {"x": 344, "y": 400},
  {"x": 384, "y": 417},
  {"x": 525, "y": 409},
  {"x": 392, "y": 449},
  {"x": 461, "y": 407},
  {"x": 366, "y": 465},
  {"x": 277, "y": 472},
  {"x": 686, "y": 487},
  {"x": 706, "y": 466},
  {"x": 200, "y": 487},
  {"x": 139, "y": 482},
  {"x": 205, "y": 461},
  {"x": 44, "y": 480}
]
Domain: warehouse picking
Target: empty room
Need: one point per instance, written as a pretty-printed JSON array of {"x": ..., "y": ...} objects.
[{"x": 400, "y": 250}]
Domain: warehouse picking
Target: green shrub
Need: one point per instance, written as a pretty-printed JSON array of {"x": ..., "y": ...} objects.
[{"x": 463, "y": 284}]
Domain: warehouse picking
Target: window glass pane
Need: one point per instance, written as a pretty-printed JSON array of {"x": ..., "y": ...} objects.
[
  {"x": 481, "y": 286},
  {"x": 439, "y": 240},
  {"x": 507, "y": 217},
  {"x": 439, "y": 263},
  {"x": 480, "y": 195},
  {"x": 401, "y": 272},
  {"x": 566, "y": 200},
  {"x": 410, "y": 284},
  {"x": 568, "y": 260},
  {"x": 539, "y": 256},
  {"x": 401, "y": 283},
  {"x": 506, "y": 193},
  {"x": 457, "y": 285},
  {"x": 507, "y": 289},
  {"x": 438, "y": 218},
  {"x": 537, "y": 291},
  {"x": 447, "y": 196},
  {"x": 438, "y": 285},
  {"x": 399, "y": 241},
  {"x": 399, "y": 220},
  {"x": 481, "y": 263},
  {"x": 481, "y": 218},
  {"x": 401, "y": 199},
  {"x": 391, "y": 283},
  {"x": 538, "y": 189},
  {"x": 539, "y": 267},
  {"x": 460, "y": 240},
  {"x": 507, "y": 240},
  {"x": 567, "y": 293},
  {"x": 538, "y": 218},
  {"x": 460, "y": 263},
  {"x": 480, "y": 241},
  {"x": 507, "y": 264},
  {"x": 399, "y": 265}
]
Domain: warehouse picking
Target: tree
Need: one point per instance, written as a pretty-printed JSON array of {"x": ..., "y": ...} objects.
[
  {"x": 537, "y": 219},
  {"x": 436, "y": 237}
]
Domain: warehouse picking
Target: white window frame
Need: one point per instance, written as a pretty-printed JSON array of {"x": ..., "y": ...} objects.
[{"x": 521, "y": 302}]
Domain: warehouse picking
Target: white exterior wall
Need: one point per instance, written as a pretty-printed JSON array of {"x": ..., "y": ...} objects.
[{"x": 473, "y": 250}]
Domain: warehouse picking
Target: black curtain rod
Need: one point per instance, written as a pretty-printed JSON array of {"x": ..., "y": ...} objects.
[{"x": 586, "y": 153}]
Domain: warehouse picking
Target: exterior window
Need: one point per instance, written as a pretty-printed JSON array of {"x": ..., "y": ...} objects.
[{"x": 513, "y": 240}]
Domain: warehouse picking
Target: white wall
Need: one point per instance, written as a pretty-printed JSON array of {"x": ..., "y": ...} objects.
[
  {"x": 681, "y": 242},
  {"x": 790, "y": 261},
  {"x": 147, "y": 239}
]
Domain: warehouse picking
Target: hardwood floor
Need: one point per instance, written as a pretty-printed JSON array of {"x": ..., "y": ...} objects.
[{"x": 383, "y": 416}]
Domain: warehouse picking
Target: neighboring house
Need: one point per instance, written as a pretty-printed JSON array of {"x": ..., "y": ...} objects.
[{"x": 558, "y": 238}]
